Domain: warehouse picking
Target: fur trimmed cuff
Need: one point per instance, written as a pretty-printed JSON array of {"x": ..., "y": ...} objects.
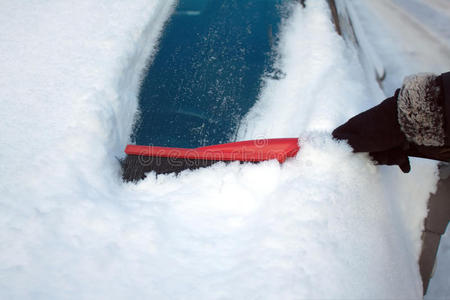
[{"x": 420, "y": 111}]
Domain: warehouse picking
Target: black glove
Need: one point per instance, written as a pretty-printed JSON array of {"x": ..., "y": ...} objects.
[
  {"x": 378, "y": 132},
  {"x": 412, "y": 123}
]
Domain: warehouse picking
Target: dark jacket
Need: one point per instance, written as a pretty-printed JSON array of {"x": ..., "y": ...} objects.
[
  {"x": 446, "y": 92},
  {"x": 431, "y": 138}
]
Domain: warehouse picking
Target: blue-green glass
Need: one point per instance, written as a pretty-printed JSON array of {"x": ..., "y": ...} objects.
[{"x": 207, "y": 72}]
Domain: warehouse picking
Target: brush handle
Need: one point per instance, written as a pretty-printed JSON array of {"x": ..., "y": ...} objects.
[{"x": 252, "y": 151}]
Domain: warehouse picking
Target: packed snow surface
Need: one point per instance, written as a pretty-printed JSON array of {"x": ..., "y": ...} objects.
[{"x": 327, "y": 224}]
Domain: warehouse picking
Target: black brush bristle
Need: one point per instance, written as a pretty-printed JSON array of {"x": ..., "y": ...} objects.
[{"x": 135, "y": 167}]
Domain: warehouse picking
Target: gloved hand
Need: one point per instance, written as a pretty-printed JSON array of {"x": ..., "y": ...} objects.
[
  {"x": 378, "y": 132},
  {"x": 411, "y": 123}
]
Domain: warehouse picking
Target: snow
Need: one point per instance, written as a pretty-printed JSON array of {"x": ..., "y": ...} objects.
[
  {"x": 409, "y": 38},
  {"x": 327, "y": 224},
  {"x": 404, "y": 43},
  {"x": 433, "y": 19}
]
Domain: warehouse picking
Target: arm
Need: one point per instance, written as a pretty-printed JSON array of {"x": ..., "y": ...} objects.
[
  {"x": 446, "y": 91},
  {"x": 424, "y": 117},
  {"x": 414, "y": 122}
]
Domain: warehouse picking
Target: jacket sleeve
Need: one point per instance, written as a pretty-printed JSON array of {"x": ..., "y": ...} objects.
[
  {"x": 446, "y": 95},
  {"x": 423, "y": 110},
  {"x": 423, "y": 106}
]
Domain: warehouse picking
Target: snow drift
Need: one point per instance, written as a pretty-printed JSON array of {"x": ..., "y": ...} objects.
[{"x": 327, "y": 224}]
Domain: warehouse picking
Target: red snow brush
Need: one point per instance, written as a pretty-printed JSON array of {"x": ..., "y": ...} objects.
[{"x": 163, "y": 160}]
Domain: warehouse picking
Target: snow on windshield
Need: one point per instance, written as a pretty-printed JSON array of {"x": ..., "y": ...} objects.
[{"x": 327, "y": 224}]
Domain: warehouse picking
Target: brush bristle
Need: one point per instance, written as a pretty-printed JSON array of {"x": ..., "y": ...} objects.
[{"x": 135, "y": 167}]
